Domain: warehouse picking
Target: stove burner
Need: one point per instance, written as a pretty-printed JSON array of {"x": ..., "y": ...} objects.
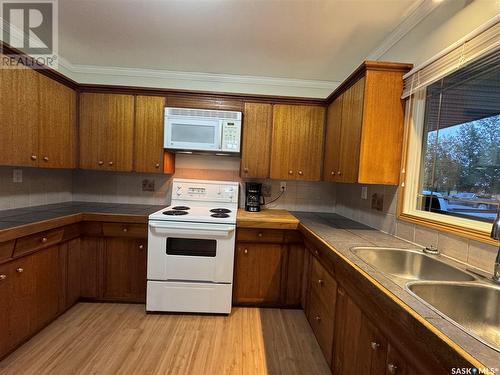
[
  {"x": 175, "y": 213},
  {"x": 181, "y": 208},
  {"x": 220, "y": 211},
  {"x": 220, "y": 215}
]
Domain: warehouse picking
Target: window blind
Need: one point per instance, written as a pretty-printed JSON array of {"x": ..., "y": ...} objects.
[{"x": 482, "y": 41}]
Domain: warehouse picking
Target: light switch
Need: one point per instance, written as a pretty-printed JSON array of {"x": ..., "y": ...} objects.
[
  {"x": 17, "y": 175},
  {"x": 364, "y": 192}
]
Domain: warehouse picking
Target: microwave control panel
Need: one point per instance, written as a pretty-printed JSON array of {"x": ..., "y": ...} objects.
[{"x": 231, "y": 131}]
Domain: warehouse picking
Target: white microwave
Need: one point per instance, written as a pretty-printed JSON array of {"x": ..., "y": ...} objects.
[{"x": 204, "y": 130}]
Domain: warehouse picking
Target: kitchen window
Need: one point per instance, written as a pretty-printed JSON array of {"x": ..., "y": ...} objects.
[{"x": 452, "y": 176}]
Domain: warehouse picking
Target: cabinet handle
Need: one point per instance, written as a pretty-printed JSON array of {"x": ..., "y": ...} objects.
[
  {"x": 3, "y": 277},
  {"x": 320, "y": 282},
  {"x": 125, "y": 230},
  {"x": 301, "y": 173},
  {"x": 33, "y": 157},
  {"x": 392, "y": 368},
  {"x": 44, "y": 239},
  {"x": 317, "y": 318},
  {"x": 45, "y": 158},
  {"x": 245, "y": 251},
  {"x": 100, "y": 162},
  {"x": 19, "y": 270},
  {"x": 110, "y": 163},
  {"x": 259, "y": 234},
  {"x": 374, "y": 345},
  {"x": 157, "y": 165},
  {"x": 290, "y": 172},
  {"x": 141, "y": 247}
]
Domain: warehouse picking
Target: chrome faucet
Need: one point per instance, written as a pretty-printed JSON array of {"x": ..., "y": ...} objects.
[{"x": 495, "y": 234}]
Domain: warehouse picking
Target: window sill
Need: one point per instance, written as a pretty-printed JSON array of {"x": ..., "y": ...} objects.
[{"x": 469, "y": 233}]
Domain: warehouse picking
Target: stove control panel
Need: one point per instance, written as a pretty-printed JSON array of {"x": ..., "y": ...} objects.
[{"x": 206, "y": 191}]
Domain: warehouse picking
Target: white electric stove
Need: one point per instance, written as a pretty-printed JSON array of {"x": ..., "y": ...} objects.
[{"x": 191, "y": 248}]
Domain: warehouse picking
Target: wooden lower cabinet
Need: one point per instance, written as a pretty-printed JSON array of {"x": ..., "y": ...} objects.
[
  {"x": 258, "y": 273},
  {"x": 125, "y": 269}
]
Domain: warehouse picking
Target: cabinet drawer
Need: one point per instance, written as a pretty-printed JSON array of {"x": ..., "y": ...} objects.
[
  {"x": 38, "y": 241},
  {"x": 6, "y": 249},
  {"x": 125, "y": 230},
  {"x": 322, "y": 324},
  {"x": 323, "y": 285},
  {"x": 260, "y": 235}
]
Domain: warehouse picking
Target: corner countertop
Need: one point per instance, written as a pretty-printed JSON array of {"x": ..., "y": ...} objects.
[
  {"x": 341, "y": 234},
  {"x": 266, "y": 219}
]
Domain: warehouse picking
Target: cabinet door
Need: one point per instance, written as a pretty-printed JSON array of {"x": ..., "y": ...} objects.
[
  {"x": 106, "y": 131},
  {"x": 350, "y": 140},
  {"x": 294, "y": 272},
  {"x": 359, "y": 348},
  {"x": 57, "y": 135},
  {"x": 91, "y": 267},
  {"x": 73, "y": 279},
  {"x": 331, "y": 162},
  {"x": 6, "y": 297},
  {"x": 256, "y": 140},
  {"x": 19, "y": 116},
  {"x": 125, "y": 269},
  {"x": 297, "y": 142},
  {"x": 149, "y": 115},
  {"x": 257, "y": 276}
]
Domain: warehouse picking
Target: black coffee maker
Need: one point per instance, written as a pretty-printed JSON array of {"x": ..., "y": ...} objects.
[{"x": 253, "y": 197}]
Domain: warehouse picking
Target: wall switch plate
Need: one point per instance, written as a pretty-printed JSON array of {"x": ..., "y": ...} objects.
[
  {"x": 364, "y": 192},
  {"x": 148, "y": 185},
  {"x": 283, "y": 185},
  {"x": 266, "y": 190},
  {"x": 17, "y": 175}
]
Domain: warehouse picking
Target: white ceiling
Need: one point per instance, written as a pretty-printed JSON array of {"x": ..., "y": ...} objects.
[{"x": 302, "y": 39}]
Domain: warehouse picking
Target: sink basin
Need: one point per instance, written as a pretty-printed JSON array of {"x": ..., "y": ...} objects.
[
  {"x": 474, "y": 307},
  {"x": 409, "y": 264}
]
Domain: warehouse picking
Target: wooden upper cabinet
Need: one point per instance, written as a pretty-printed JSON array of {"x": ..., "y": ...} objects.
[
  {"x": 256, "y": 140},
  {"x": 149, "y": 115},
  {"x": 106, "y": 131},
  {"x": 297, "y": 142},
  {"x": 365, "y": 126},
  {"x": 19, "y": 117},
  {"x": 57, "y": 135}
]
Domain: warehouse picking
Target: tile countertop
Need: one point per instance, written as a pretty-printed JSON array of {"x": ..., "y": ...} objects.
[{"x": 341, "y": 234}]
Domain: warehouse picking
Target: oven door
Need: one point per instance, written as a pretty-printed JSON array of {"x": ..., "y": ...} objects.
[
  {"x": 193, "y": 134},
  {"x": 180, "y": 251}
]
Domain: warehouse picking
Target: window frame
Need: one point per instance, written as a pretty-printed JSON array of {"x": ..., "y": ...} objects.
[{"x": 410, "y": 181}]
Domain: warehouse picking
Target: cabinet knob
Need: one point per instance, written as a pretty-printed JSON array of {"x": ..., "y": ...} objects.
[
  {"x": 19, "y": 270},
  {"x": 110, "y": 163},
  {"x": 245, "y": 170},
  {"x": 341, "y": 292},
  {"x": 259, "y": 234},
  {"x": 317, "y": 318},
  {"x": 33, "y": 157},
  {"x": 100, "y": 162},
  {"x": 141, "y": 247},
  {"x": 321, "y": 282},
  {"x": 157, "y": 165},
  {"x": 374, "y": 345},
  {"x": 44, "y": 239},
  {"x": 392, "y": 368},
  {"x": 332, "y": 173},
  {"x": 339, "y": 173},
  {"x": 125, "y": 230},
  {"x": 245, "y": 251},
  {"x": 45, "y": 158},
  {"x": 3, "y": 277},
  {"x": 316, "y": 252},
  {"x": 290, "y": 172},
  {"x": 301, "y": 173}
]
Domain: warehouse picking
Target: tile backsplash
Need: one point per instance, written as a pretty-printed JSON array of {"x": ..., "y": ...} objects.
[
  {"x": 38, "y": 186},
  {"x": 350, "y": 204}
]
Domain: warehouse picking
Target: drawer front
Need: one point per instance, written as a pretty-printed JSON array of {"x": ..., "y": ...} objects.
[
  {"x": 293, "y": 236},
  {"x": 322, "y": 324},
  {"x": 260, "y": 235},
  {"x": 38, "y": 241},
  {"x": 125, "y": 230},
  {"x": 6, "y": 249},
  {"x": 323, "y": 285}
]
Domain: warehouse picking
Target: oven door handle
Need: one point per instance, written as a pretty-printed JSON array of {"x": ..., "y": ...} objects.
[{"x": 220, "y": 229}]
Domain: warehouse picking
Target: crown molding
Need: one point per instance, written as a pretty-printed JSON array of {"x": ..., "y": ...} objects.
[{"x": 413, "y": 17}]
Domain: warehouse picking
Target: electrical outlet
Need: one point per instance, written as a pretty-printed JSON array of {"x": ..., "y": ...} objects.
[
  {"x": 148, "y": 185},
  {"x": 266, "y": 190},
  {"x": 283, "y": 185},
  {"x": 17, "y": 175},
  {"x": 364, "y": 192}
]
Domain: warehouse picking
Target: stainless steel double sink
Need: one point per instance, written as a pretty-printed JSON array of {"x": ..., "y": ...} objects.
[{"x": 471, "y": 304}]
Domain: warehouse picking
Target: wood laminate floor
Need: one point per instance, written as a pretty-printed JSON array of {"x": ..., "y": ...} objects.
[{"x": 94, "y": 338}]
